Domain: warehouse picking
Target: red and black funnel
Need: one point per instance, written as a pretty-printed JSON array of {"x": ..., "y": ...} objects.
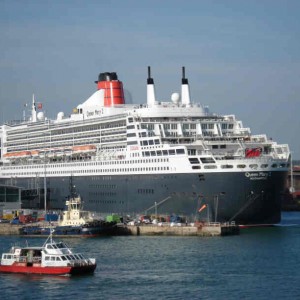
[{"x": 113, "y": 88}]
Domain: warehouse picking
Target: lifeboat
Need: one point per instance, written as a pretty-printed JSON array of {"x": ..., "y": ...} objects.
[
  {"x": 18, "y": 154},
  {"x": 84, "y": 148},
  {"x": 35, "y": 153}
]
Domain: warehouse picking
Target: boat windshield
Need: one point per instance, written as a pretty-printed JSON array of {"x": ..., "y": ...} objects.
[{"x": 61, "y": 246}]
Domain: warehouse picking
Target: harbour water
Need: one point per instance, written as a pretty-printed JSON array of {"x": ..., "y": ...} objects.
[{"x": 260, "y": 263}]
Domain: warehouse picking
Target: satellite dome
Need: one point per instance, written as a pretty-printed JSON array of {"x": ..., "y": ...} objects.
[
  {"x": 40, "y": 116},
  {"x": 175, "y": 97}
]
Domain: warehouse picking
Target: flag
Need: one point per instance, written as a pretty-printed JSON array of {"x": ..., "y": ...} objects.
[
  {"x": 202, "y": 207},
  {"x": 253, "y": 152},
  {"x": 39, "y": 105}
]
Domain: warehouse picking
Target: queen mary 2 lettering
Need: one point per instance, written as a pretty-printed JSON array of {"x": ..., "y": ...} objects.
[{"x": 162, "y": 157}]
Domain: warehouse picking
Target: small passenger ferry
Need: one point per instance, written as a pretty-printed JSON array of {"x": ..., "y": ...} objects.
[{"x": 53, "y": 258}]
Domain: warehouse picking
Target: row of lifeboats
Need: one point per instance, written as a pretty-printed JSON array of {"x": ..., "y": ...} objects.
[{"x": 67, "y": 151}]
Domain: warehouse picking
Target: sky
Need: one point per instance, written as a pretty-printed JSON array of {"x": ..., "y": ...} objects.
[{"x": 241, "y": 57}]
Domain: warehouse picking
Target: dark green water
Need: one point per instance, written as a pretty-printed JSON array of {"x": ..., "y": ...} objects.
[{"x": 261, "y": 263}]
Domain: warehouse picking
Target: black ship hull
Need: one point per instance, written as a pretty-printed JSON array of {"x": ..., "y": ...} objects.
[
  {"x": 242, "y": 197},
  {"x": 87, "y": 230}
]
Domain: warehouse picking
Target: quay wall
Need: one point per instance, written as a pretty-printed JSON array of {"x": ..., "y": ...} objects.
[
  {"x": 209, "y": 230},
  {"x": 204, "y": 230},
  {"x": 8, "y": 229}
]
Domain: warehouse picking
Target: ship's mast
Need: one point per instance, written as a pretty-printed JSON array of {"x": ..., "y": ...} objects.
[{"x": 33, "y": 110}]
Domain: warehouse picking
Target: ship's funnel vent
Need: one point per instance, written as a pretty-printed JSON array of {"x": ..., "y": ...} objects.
[
  {"x": 108, "y": 76},
  {"x": 113, "y": 88},
  {"x": 184, "y": 80},
  {"x": 149, "y": 79},
  {"x": 150, "y": 89}
]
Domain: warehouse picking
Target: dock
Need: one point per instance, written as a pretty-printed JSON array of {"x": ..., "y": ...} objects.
[
  {"x": 9, "y": 229},
  {"x": 201, "y": 230}
]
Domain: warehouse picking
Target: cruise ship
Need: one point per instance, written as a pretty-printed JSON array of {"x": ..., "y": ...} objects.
[{"x": 160, "y": 157}]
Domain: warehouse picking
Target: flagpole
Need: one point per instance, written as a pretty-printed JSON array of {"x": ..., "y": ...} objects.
[{"x": 207, "y": 205}]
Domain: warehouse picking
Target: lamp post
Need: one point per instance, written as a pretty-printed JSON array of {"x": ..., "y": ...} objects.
[
  {"x": 45, "y": 184},
  {"x": 207, "y": 206},
  {"x": 216, "y": 199}
]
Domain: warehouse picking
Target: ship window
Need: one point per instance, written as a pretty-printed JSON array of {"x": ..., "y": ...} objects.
[
  {"x": 130, "y": 120},
  {"x": 145, "y": 143},
  {"x": 210, "y": 167},
  {"x": 47, "y": 258},
  {"x": 52, "y": 258},
  {"x": 253, "y": 166},
  {"x": 64, "y": 258},
  {"x": 241, "y": 166},
  {"x": 58, "y": 258},
  {"x": 227, "y": 166},
  {"x": 194, "y": 160},
  {"x": 191, "y": 151},
  {"x": 179, "y": 151},
  {"x": 171, "y": 152},
  {"x": 196, "y": 167},
  {"x": 274, "y": 166},
  {"x": 264, "y": 166},
  {"x": 165, "y": 152},
  {"x": 159, "y": 153},
  {"x": 131, "y": 134},
  {"x": 153, "y": 153},
  {"x": 151, "y": 142},
  {"x": 207, "y": 160},
  {"x": 215, "y": 146}
]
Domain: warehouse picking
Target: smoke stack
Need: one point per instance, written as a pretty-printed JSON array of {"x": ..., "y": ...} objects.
[
  {"x": 113, "y": 88},
  {"x": 150, "y": 89},
  {"x": 185, "y": 90}
]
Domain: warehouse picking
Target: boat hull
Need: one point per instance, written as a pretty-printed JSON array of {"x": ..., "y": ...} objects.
[
  {"x": 23, "y": 268},
  {"x": 69, "y": 231},
  {"x": 243, "y": 197}
]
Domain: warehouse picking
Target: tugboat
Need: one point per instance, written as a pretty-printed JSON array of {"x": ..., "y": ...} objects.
[
  {"x": 50, "y": 259},
  {"x": 75, "y": 221}
]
